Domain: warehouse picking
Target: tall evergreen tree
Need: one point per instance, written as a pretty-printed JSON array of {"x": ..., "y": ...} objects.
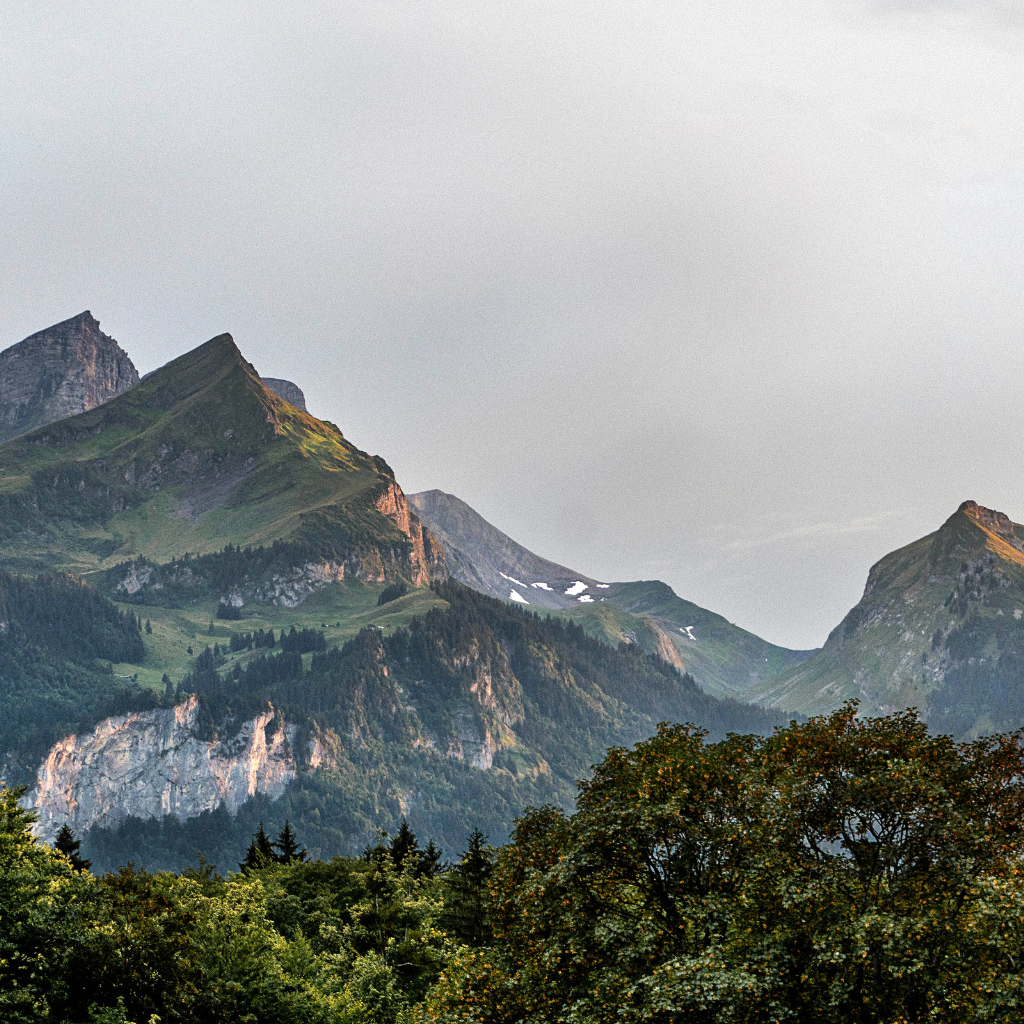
[
  {"x": 403, "y": 845},
  {"x": 69, "y": 846},
  {"x": 430, "y": 861},
  {"x": 288, "y": 846},
  {"x": 260, "y": 853},
  {"x": 466, "y": 912}
]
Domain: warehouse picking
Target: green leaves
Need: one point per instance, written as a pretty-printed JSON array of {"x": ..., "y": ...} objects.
[{"x": 842, "y": 870}]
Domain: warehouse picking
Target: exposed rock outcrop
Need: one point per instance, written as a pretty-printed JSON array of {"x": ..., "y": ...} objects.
[
  {"x": 156, "y": 763},
  {"x": 67, "y": 369},
  {"x": 427, "y": 558},
  {"x": 285, "y": 389}
]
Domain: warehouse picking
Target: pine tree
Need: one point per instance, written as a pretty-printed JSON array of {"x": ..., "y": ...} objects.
[
  {"x": 403, "y": 845},
  {"x": 149, "y": 627},
  {"x": 465, "y": 912},
  {"x": 288, "y": 846},
  {"x": 260, "y": 853},
  {"x": 168, "y": 688},
  {"x": 69, "y": 846},
  {"x": 430, "y": 861}
]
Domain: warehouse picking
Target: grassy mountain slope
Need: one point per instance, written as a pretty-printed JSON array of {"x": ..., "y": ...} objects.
[
  {"x": 724, "y": 659},
  {"x": 197, "y": 455},
  {"x": 940, "y": 627}
]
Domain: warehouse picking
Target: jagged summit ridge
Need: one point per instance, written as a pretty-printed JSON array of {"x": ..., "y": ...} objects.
[
  {"x": 200, "y": 454},
  {"x": 58, "y": 372}
]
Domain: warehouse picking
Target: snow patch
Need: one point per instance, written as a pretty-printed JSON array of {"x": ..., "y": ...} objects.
[
  {"x": 602, "y": 586},
  {"x": 512, "y": 579},
  {"x": 586, "y": 599},
  {"x": 687, "y": 632},
  {"x": 541, "y": 586},
  {"x": 513, "y": 596},
  {"x": 576, "y": 589}
]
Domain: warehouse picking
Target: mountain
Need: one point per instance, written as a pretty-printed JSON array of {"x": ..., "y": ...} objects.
[
  {"x": 258, "y": 627},
  {"x": 940, "y": 627},
  {"x": 200, "y": 455},
  {"x": 724, "y": 659},
  {"x": 67, "y": 369},
  {"x": 287, "y": 390},
  {"x": 473, "y": 712}
]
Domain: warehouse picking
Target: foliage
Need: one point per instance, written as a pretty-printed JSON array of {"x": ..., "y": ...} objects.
[
  {"x": 392, "y": 593},
  {"x": 344, "y": 942},
  {"x": 66, "y": 843},
  {"x": 842, "y": 870}
]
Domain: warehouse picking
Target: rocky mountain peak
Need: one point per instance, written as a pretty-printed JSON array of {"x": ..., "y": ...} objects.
[
  {"x": 973, "y": 529},
  {"x": 285, "y": 389},
  {"x": 998, "y": 522},
  {"x": 61, "y": 371}
]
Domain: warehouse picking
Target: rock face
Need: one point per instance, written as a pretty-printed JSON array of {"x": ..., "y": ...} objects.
[
  {"x": 155, "y": 763},
  {"x": 67, "y": 369},
  {"x": 427, "y": 557},
  {"x": 285, "y": 389}
]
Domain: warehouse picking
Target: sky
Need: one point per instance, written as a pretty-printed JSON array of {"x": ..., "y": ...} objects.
[{"x": 727, "y": 295}]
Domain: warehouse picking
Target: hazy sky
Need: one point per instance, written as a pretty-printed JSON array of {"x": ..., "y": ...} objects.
[{"x": 723, "y": 294}]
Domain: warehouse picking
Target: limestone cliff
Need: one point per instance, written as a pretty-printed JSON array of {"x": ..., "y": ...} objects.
[
  {"x": 67, "y": 369},
  {"x": 157, "y": 763},
  {"x": 426, "y": 557}
]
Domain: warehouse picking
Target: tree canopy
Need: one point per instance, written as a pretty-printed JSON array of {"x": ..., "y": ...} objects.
[{"x": 843, "y": 870}]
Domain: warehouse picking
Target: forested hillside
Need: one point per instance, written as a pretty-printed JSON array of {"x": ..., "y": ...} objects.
[
  {"x": 463, "y": 718},
  {"x": 58, "y": 639}
]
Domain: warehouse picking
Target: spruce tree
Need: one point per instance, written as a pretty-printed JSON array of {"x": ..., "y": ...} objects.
[
  {"x": 149, "y": 627},
  {"x": 69, "y": 846},
  {"x": 288, "y": 846},
  {"x": 260, "y": 853},
  {"x": 430, "y": 861},
  {"x": 403, "y": 845},
  {"x": 465, "y": 912}
]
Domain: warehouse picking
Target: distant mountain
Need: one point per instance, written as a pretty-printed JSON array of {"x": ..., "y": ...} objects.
[
  {"x": 199, "y": 455},
  {"x": 268, "y": 631},
  {"x": 489, "y": 561},
  {"x": 67, "y": 369},
  {"x": 724, "y": 659},
  {"x": 287, "y": 390},
  {"x": 940, "y": 627}
]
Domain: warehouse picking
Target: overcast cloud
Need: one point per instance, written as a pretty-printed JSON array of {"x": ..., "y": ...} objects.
[{"x": 723, "y": 294}]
